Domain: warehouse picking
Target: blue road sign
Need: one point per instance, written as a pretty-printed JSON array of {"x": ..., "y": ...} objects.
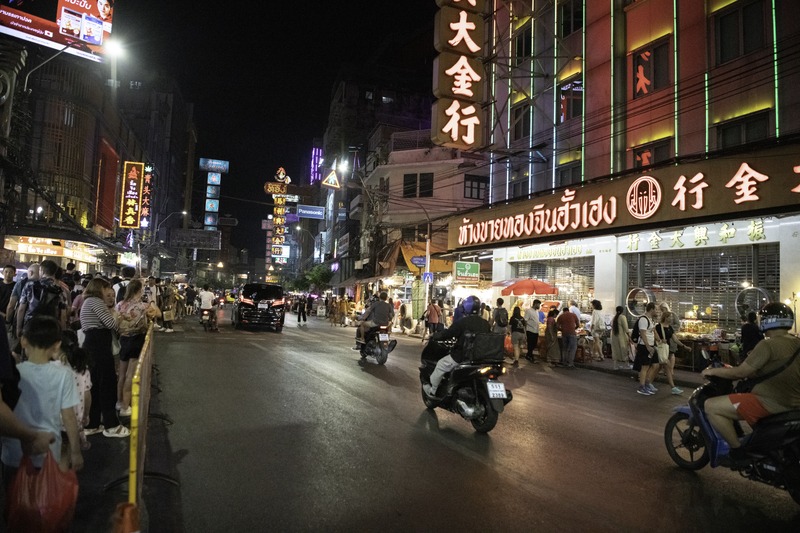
[{"x": 427, "y": 277}]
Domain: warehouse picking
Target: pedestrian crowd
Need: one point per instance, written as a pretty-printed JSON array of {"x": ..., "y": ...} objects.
[{"x": 68, "y": 353}]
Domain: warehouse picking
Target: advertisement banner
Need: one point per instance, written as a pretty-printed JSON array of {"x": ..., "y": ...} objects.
[
  {"x": 311, "y": 211},
  {"x": 195, "y": 238},
  {"x": 214, "y": 165},
  {"x": 83, "y": 25}
]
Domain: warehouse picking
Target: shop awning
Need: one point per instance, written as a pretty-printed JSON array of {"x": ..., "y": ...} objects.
[{"x": 417, "y": 249}]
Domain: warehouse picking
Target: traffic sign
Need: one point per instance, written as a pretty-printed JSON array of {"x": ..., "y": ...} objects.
[{"x": 427, "y": 277}]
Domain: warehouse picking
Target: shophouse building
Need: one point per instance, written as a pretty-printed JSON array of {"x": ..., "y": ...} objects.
[{"x": 643, "y": 151}]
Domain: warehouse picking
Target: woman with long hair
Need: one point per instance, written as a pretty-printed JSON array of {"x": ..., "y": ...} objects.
[
  {"x": 517, "y": 325},
  {"x": 98, "y": 325},
  {"x": 620, "y": 340},
  {"x": 551, "y": 337},
  {"x": 598, "y": 330},
  {"x": 133, "y": 316}
]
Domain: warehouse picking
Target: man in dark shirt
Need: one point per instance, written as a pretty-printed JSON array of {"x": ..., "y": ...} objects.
[
  {"x": 380, "y": 313},
  {"x": 472, "y": 322},
  {"x": 6, "y": 288},
  {"x": 751, "y": 336}
]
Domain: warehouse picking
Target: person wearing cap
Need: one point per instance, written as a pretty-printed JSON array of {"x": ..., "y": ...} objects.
[{"x": 776, "y": 394}]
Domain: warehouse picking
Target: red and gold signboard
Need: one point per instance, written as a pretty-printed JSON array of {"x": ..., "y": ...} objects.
[
  {"x": 272, "y": 187},
  {"x": 130, "y": 205}
]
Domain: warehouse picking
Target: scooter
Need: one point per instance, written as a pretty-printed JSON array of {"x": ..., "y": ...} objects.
[
  {"x": 471, "y": 389},
  {"x": 377, "y": 344},
  {"x": 772, "y": 449},
  {"x": 208, "y": 319}
]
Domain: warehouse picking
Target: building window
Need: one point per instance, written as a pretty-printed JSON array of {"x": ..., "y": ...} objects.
[
  {"x": 409, "y": 234},
  {"x": 522, "y": 45},
  {"x": 570, "y": 17},
  {"x": 748, "y": 129},
  {"x": 520, "y": 121},
  {"x": 650, "y": 69},
  {"x": 571, "y": 99},
  {"x": 740, "y": 30},
  {"x": 476, "y": 187},
  {"x": 568, "y": 175},
  {"x": 518, "y": 188},
  {"x": 418, "y": 185},
  {"x": 649, "y": 154}
]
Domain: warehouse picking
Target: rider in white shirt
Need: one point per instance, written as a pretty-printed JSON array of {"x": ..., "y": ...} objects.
[{"x": 208, "y": 301}]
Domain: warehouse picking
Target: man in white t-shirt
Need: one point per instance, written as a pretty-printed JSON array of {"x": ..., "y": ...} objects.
[
  {"x": 532, "y": 329},
  {"x": 646, "y": 359},
  {"x": 208, "y": 302}
]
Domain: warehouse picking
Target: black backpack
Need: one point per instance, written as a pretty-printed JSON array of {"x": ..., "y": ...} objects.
[
  {"x": 635, "y": 333},
  {"x": 502, "y": 317},
  {"x": 47, "y": 298},
  {"x": 121, "y": 291}
]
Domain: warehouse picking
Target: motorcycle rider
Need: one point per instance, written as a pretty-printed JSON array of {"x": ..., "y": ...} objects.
[
  {"x": 777, "y": 394},
  {"x": 208, "y": 301},
  {"x": 379, "y": 313},
  {"x": 473, "y": 323}
]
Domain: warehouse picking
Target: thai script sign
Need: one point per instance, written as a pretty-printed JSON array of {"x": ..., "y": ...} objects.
[
  {"x": 749, "y": 184},
  {"x": 457, "y": 116},
  {"x": 467, "y": 272},
  {"x": 131, "y": 202}
]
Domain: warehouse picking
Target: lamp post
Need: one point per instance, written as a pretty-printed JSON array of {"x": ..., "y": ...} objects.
[{"x": 161, "y": 223}]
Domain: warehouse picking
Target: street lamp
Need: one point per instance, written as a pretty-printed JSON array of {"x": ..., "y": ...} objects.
[{"x": 161, "y": 223}]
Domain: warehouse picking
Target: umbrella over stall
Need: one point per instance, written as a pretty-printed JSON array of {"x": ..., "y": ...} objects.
[{"x": 528, "y": 287}]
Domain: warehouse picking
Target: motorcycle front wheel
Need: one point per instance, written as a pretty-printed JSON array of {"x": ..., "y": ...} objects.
[
  {"x": 381, "y": 359},
  {"x": 430, "y": 404},
  {"x": 685, "y": 444},
  {"x": 488, "y": 421}
]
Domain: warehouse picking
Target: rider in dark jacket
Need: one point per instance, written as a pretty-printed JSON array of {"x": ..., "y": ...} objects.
[{"x": 473, "y": 323}]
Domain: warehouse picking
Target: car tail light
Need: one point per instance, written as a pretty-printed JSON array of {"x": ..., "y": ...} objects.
[
  {"x": 247, "y": 301},
  {"x": 277, "y": 302}
]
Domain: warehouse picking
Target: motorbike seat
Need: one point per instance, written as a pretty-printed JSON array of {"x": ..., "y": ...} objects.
[{"x": 779, "y": 418}]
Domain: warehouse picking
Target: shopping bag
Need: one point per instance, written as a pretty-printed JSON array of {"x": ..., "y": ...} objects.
[
  {"x": 508, "y": 345},
  {"x": 663, "y": 353},
  {"x": 42, "y": 500},
  {"x": 168, "y": 315}
]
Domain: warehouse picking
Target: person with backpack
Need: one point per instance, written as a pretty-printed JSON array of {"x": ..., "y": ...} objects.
[
  {"x": 500, "y": 318},
  {"x": 42, "y": 297},
  {"x": 646, "y": 361},
  {"x": 128, "y": 272}
]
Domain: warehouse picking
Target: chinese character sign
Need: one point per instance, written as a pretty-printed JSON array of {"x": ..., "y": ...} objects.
[
  {"x": 131, "y": 202},
  {"x": 148, "y": 188},
  {"x": 457, "y": 116}
]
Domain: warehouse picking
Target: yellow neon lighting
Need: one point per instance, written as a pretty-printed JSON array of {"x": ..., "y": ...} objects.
[
  {"x": 716, "y": 5},
  {"x": 742, "y": 111},
  {"x": 652, "y": 36}
]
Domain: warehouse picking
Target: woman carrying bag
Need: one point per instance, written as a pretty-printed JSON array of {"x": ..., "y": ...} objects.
[
  {"x": 664, "y": 333},
  {"x": 99, "y": 325}
]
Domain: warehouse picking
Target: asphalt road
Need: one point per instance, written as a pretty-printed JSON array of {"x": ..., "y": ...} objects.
[{"x": 286, "y": 432}]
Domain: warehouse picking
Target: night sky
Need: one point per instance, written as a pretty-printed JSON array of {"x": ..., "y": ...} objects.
[{"x": 260, "y": 75}]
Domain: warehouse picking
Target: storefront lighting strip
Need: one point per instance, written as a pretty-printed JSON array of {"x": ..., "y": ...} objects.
[
  {"x": 493, "y": 105},
  {"x": 675, "y": 72},
  {"x": 705, "y": 93},
  {"x": 583, "y": 93},
  {"x": 612, "y": 135},
  {"x": 775, "y": 69},
  {"x": 510, "y": 67},
  {"x": 530, "y": 108},
  {"x": 555, "y": 91}
]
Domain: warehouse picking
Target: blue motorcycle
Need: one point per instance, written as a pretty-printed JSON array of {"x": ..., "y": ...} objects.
[{"x": 772, "y": 448}]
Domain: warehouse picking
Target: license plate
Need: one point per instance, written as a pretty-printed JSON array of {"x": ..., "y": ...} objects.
[
  {"x": 383, "y": 337},
  {"x": 205, "y": 317},
  {"x": 263, "y": 306},
  {"x": 496, "y": 389}
]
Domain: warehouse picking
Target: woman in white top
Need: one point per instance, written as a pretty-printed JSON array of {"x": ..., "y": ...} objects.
[{"x": 598, "y": 330}]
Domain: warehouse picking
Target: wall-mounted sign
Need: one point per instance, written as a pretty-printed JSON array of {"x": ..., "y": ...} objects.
[
  {"x": 281, "y": 176},
  {"x": 131, "y": 202},
  {"x": 148, "y": 187},
  {"x": 467, "y": 272},
  {"x": 86, "y": 25},
  {"x": 311, "y": 211},
  {"x": 214, "y": 165},
  {"x": 457, "y": 117},
  {"x": 212, "y": 206},
  {"x": 211, "y": 219},
  {"x": 331, "y": 181},
  {"x": 195, "y": 238},
  {"x": 748, "y": 184},
  {"x": 214, "y": 178},
  {"x": 212, "y": 191},
  {"x": 271, "y": 187}
]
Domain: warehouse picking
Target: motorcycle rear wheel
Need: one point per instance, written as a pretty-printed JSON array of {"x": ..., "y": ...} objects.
[
  {"x": 685, "y": 444},
  {"x": 381, "y": 359},
  {"x": 488, "y": 421},
  {"x": 430, "y": 404}
]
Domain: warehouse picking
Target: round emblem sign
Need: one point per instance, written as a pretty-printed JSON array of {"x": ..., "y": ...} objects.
[{"x": 644, "y": 197}]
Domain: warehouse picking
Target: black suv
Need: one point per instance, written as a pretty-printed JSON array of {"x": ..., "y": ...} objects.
[{"x": 259, "y": 304}]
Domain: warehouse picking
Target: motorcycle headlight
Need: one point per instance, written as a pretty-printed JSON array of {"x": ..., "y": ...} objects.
[{"x": 485, "y": 369}]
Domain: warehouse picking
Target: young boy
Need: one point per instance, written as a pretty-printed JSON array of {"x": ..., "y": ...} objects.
[{"x": 48, "y": 396}]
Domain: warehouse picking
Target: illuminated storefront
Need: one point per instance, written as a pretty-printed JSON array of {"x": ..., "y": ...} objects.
[{"x": 37, "y": 249}]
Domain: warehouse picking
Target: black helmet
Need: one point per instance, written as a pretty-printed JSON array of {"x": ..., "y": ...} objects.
[
  {"x": 776, "y": 315},
  {"x": 472, "y": 305}
]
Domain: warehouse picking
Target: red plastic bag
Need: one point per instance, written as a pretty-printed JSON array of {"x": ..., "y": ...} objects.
[
  {"x": 509, "y": 345},
  {"x": 42, "y": 500}
]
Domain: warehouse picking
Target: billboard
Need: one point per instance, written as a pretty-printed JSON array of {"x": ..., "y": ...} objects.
[
  {"x": 214, "y": 165},
  {"x": 83, "y": 25},
  {"x": 311, "y": 211},
  {"x": 195, "y": 238}
]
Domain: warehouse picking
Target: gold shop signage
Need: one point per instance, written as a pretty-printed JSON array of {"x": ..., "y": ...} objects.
[
  {"x": 458, "y": 75},
  {"x": 750, "y": 184}
]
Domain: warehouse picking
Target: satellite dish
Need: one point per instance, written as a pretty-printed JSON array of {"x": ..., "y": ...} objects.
[{"x": 751, "y": 299}]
